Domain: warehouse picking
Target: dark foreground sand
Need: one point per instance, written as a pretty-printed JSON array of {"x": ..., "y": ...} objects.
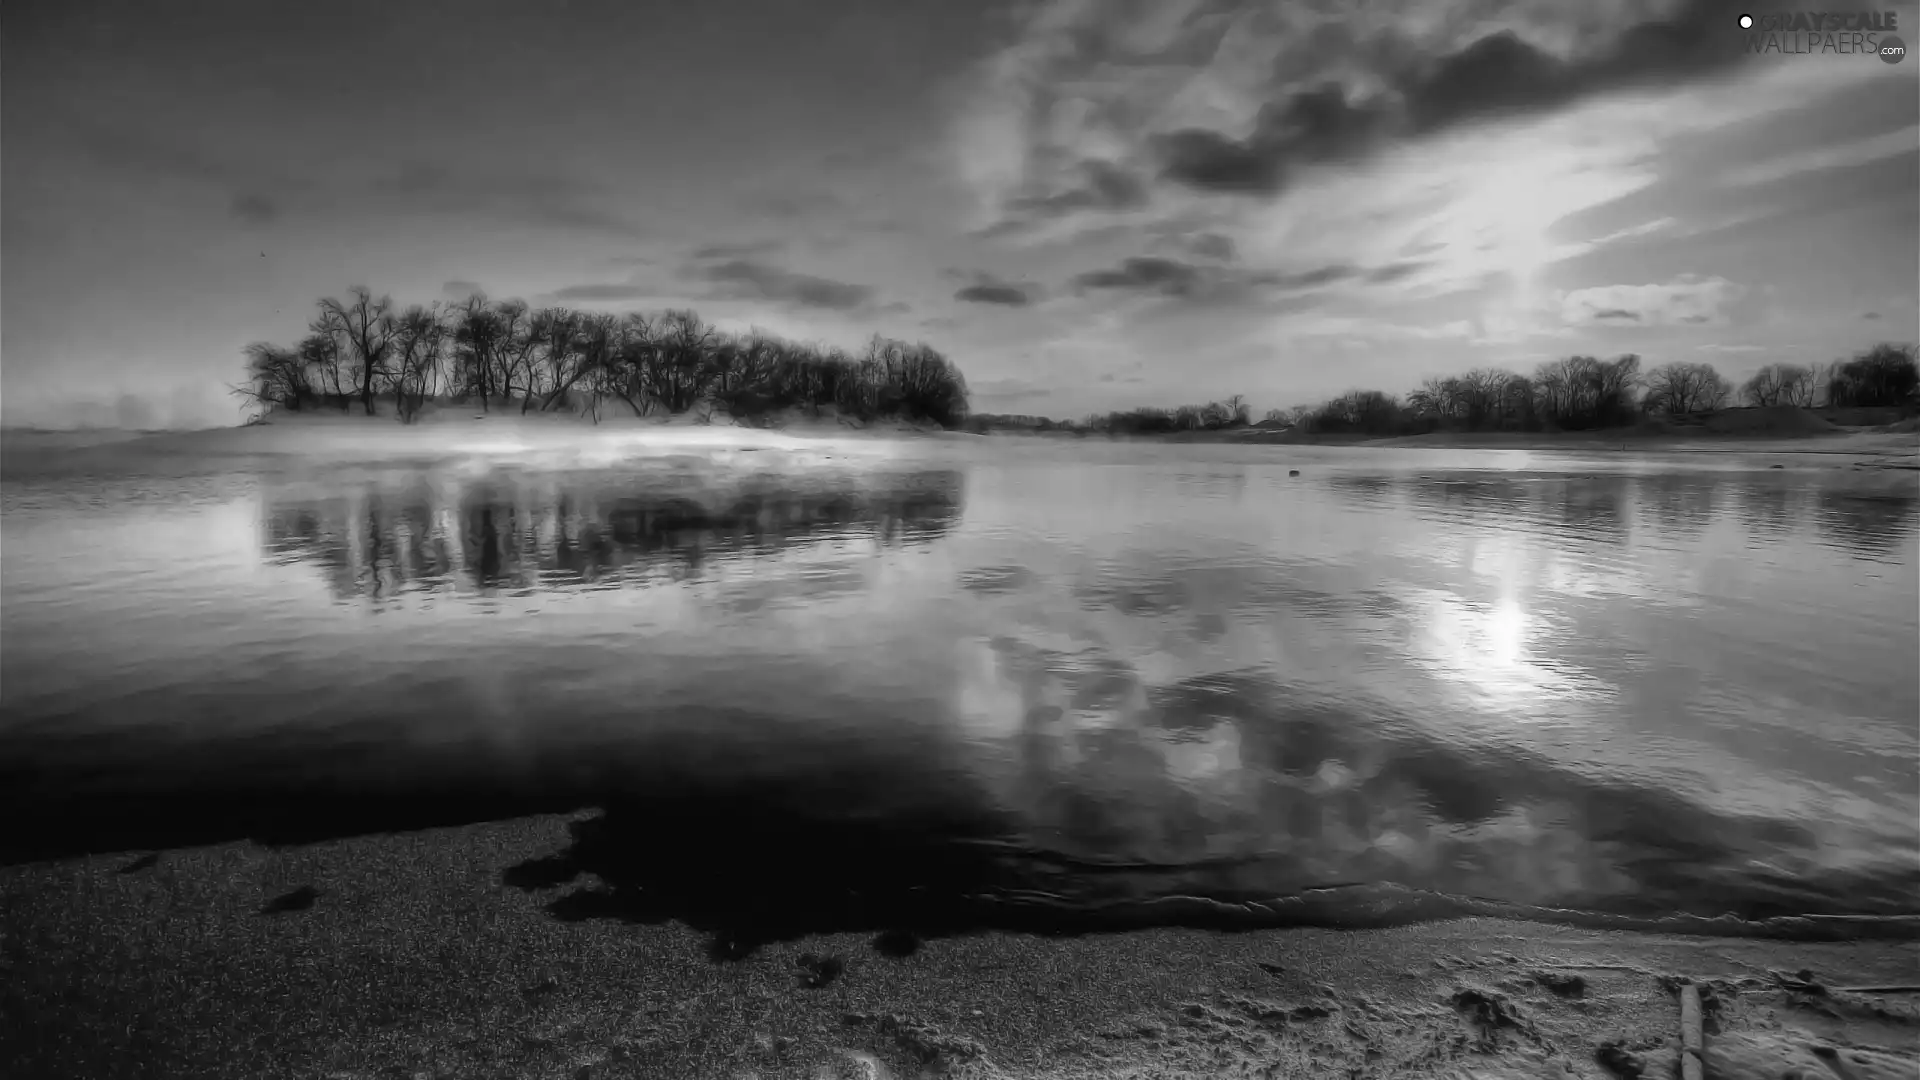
[{"x": 406, "y": 956}]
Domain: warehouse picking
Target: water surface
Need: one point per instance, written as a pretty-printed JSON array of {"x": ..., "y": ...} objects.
[{"x": 902, "y": 684}]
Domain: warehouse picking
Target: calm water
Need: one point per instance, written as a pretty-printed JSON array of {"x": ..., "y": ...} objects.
[{"x": 893, "y": 684}]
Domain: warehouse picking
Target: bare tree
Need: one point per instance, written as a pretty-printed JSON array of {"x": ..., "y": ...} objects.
[
  {"x": 419, "y": 339},
  {"x": 366, "y": 326},
  {"x": 1685, "y": 388},
  {"x": 1883, "y": 375}
]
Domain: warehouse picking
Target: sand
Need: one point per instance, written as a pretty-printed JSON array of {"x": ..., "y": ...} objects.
[{"x": 406, "y": 956}]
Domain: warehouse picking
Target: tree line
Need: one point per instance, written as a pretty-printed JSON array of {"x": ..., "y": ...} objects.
[
  {"x": 503, "y": 354},
  {"x": 1573, "y": 393},
  {"x": 1212, "y": 416},
  {"x": 1583, "y": 393}
]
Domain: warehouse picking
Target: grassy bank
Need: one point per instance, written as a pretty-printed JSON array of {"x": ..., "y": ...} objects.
[{"x": 406, "y": 956}]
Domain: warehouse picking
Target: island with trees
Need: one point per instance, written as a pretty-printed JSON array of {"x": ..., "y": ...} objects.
[{"x": 364, "y": 354}]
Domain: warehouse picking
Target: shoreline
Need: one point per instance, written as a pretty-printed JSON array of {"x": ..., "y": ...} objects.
[{"x": 406, "y": 955}]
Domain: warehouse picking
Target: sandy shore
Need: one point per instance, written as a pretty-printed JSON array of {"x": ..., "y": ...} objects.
[{"x": 406, "y": 956}]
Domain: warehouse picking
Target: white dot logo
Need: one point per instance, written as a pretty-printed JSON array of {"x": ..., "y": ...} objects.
[{"x": 1746, "y": 22}]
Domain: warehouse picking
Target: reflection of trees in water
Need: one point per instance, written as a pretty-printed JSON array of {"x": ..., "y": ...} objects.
[
  {"x": 1769, "y": 508},
  {"x": 1468, "y": 495},
  {"x": 1592, "y": 505},
  {"x": 563, "y": 531},
  {"x": 1867, "y": 526},
  {"x": 1677, "y": 503},
  {"x": 1367, "y": 490}
]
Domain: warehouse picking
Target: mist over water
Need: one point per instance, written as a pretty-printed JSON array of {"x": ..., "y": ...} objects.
[{"x": 924, "y": 684}]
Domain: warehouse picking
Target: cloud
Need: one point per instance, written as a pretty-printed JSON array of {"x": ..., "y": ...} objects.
[
  {"x": 1003, "y": 295},
  {"x": 1183, "y": 280},
  {"x": 747, "y": 279},
  {"x": 1689, "y": 300},
  {"x": 1845, "y": 155},
  {"x": 1212, "y": 246},
  {"x": 1103, "y": 186},
  {"x": 1402, "y": 94},
  {"x": 1145, "y": 273},
  {"x": 987, "y": 289},
  {"x": 602, "y": 291},
  {"x": 1247, "y": 97},
  {"x": 460, "y": 290}
]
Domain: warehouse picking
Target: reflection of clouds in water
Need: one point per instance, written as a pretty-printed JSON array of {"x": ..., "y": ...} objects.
[
  {"x": 1490, "y": 650},
  {"x": 1311, "y": 792}
]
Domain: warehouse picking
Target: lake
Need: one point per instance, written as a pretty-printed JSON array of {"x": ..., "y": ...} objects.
[{"x": 925, "y": 684}]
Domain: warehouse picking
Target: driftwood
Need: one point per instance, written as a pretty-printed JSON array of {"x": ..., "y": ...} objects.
[{"x": 1691, "y": 1045}]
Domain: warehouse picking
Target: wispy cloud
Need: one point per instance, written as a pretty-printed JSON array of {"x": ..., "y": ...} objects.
[
  {"x": 746, "y": 279},
  {"x": 1246, "y": 98},
  {"x": 1845, "y": 155},
  {"x": 1689, "y": 300},
  {"x": 987, "y": 289}
]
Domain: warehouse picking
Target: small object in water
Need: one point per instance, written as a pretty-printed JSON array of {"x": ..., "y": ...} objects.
[
  {"x": 144, "y": 862},
  {"x": 817, "y": 971},
  {"x": 1293, "y": 472},
  {"x": 299, "y": 899}
]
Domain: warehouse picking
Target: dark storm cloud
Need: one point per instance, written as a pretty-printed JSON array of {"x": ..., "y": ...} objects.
[
  {"x": 747, "y": 279},
  {"x": 1500, "y": 74}
]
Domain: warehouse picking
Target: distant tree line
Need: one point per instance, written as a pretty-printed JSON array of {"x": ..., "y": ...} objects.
[
  {"x": 1572, "y": 394},
  {"x": 502, "y": 354},
  {"x": 1584, "y": 393},
  {"x": 1212, "y": 416}
]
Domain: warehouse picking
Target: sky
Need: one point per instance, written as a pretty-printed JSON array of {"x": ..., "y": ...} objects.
[{"x": 1086, "y": 204}]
